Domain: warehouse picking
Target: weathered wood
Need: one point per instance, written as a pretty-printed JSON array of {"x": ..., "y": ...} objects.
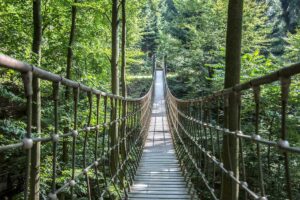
[
  {"x": 159, "y": 175},
  {"x": 159, "y": 196}
]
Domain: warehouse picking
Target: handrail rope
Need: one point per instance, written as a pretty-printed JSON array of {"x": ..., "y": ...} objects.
[
  {"x": 193, "y": 161},
  {"x": 85, "y": 170},
  {"x": 141, "y": 108},
  {"x": 127, "y": 158},
  {"x": 216, "y": 161},
  {"x": 107, "y": 152},
  {"x": 242, "y": 135},
  {"x": 87, "y": 128},
  {"x": 284, "y": 72},
  {"x": 284, "y": 76},
  {"x": 11, "y": 63}
]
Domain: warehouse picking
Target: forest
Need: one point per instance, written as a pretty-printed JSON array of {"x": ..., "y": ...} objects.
[{"x": 114, "y": 45}]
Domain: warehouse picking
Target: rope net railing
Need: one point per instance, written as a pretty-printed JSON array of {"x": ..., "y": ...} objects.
[
  {"x": 104, "y": 139},
  {"x": 268, "y": 161}
]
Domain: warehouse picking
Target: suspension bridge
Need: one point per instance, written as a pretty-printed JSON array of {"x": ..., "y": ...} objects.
[{"x": 166, "y": 148}]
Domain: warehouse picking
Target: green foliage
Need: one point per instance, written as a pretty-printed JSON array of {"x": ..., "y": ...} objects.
[
  {"x": 293, "y": 48},
  {"x": 193, "y": 40},
  {"x": 198, "y": 44},
  {"x": 188, "y": 34},
  {"x": 91, "y": 66},
  {"x": 12, "y": 129}
]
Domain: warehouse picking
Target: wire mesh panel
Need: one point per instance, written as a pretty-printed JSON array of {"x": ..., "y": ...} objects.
[
  {"x": 98, "y": 128},
  {"x": 266, "y": 155}
]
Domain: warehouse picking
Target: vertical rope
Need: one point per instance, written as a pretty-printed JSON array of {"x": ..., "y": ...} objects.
[
  {"x": 285, "y": 84},
  {"x": 85, "y": 143},
  {"x": 226, "y": 105},
  {"x": 130, "y": 138},
  {"x": 256, "y": 136},
  {"x": 113, "y": 144},
  {"x": 27, "y": 141},
  {"x": 218, "y": 127},
  {"x": 74, "y": 135},
  {"x": 205, "y": 120},
  {"x": 241, "y": 146},
  {"x": 96, "y": 163},
  {"x": 103, "y": 146},
  {"x": 201, "y": 132},
  {"x": 209, "y": 116},
  {"x": 55, "y": 138},
  {"x": 120, "y": 159}
]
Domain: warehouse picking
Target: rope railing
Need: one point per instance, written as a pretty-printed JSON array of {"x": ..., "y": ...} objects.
[
  {"x": 92, "y": 159},
  {"x": 198, "y": 127}
]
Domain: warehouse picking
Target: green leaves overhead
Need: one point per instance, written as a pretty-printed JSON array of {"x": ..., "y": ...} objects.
[{"x": 193, "y": 38}]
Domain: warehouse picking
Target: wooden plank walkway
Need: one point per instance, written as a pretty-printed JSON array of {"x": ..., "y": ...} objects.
[{"x": 159, "y": 175}]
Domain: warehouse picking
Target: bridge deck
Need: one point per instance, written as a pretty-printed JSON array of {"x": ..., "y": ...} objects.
[{"x": 159, "y": 175}]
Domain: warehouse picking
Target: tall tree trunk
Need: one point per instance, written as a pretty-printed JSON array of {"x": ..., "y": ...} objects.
[
  {"x": 68, "y": 72},
  {"x": 230, "y": 154},
  {"x": 153, "y": 63},
  {"x": 211, "y": 73},
  {"x": 36, "y": 107},
  {"x": 70, "y": 47},
  {"x": 123, "y": 149},
  {"x": 123, "y": 67},
  {"x": 123, "y": 75},
  {"x": 114, "y": 81}
]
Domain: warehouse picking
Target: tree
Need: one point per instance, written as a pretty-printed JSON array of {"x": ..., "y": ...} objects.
[
  {"x": 36, "y": 107},
  {"x": 293, "y": 49},
  {"x": 123, "y": 67},
  {"x": 68, "y": 69},
  {"x": 230, "y": 153},
  {"x": 291, "y": 14},
  {"x": 71, "y": 43},
  {"x": 123, "y": 76},
  {"x": 150, "y": 34},
  {"x": 88, "y": 47},
  {"x": 114, "y": 81}
]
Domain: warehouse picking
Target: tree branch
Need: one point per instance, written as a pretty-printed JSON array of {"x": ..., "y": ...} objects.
[
  {"x": 107, "y": 17},
  {"x": 108, "y": 58}
]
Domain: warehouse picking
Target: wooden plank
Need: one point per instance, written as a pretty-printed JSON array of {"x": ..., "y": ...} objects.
[
  {"x": 150, "y": 198},
  {"x": 163, "y": 177},
  {"x": 159, "y": 188},
  {"x": 158, "y": 185},
  {"x": 168, "y": 174},
  {"x": 159, "y": 196},
  {"x": 161, "y": 192},
  {"x": 159, "y": 175}
]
